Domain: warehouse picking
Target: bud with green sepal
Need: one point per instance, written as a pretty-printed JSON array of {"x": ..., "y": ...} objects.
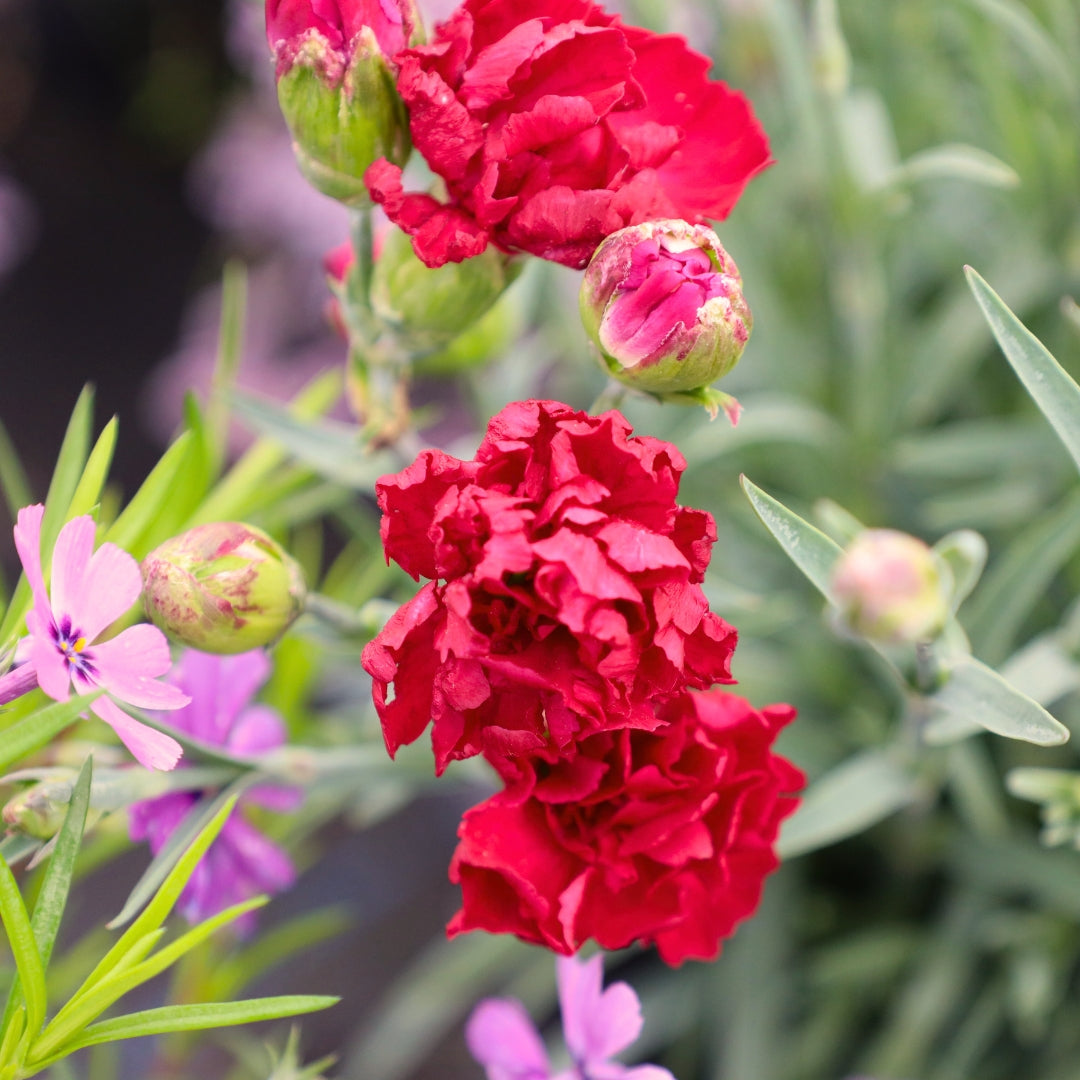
[
  {"x": 337, "y": 86},
  {"x": 663, "y": 303},
  {"x": 892, "y": 588},
  {"x": 224, "y": 587}
]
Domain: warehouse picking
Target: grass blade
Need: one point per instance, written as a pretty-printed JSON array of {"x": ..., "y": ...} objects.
[
  {"x": 24, "y": 948},
  {"x": 175, "y": 1018},
  {"x": 131, "y": 529},
  {"x": 177, "y": 849},
  {"x": 33, "y": 732},
  {"x": 95, "y": 473}
]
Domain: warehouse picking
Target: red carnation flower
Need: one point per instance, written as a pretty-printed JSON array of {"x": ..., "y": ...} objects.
[
  {"x": 553, "y": 125},
  {"x": 565, "y": 589},
  {"x": 661, "y": 837}
]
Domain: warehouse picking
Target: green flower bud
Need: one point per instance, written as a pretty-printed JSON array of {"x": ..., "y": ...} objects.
[
  {"x": 663, "y": 303},
  {"x": 224, "y": 587},
  {"x": 428, "y": 309},
  {"x": 889, "y": 587},
  {"x": 337, "y": 88}
]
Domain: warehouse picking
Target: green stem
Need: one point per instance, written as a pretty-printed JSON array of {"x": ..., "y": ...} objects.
[{"x": 611, "y": 397}]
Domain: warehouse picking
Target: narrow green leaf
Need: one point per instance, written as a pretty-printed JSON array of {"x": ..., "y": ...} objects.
[
  {"x": 70, "y": 463},
  {"x": 95, "y": 473},
  {"x": 1023, "y": 29},
  {"x": 1051, "y": 386},
  {"x": 177, "y": 850},
  {"x": 174, "y": 1018},
  {"x": 13, "y": 479},
  {"x": 976, "y": 692},
  {"x": 808, "y": 548},
  {"x": 23, "y": 948},
  {"x": 333, "y": 450},
  {"x": 33, "y": 732},
  {"x": 230, "y": 345},
  {"x": 838, "y": 523},
  {"x": 87, "y": 1005},
  {"x": 52, "y": 897},
  {"x": 49, "y": 908},
  {"x": 846, "y": 801},
  {"x": 956, "y": 161},
  {"x": 262, "y": 459},
  {"x": 1013, "y": 585},
  {"x": 159, "y": 907},
  {"x": 131, "y": 528}
]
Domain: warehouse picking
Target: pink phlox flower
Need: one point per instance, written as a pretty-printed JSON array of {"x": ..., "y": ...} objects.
[
  {"x": 242, "y": 862},
  {"x": 89, "y": 591},
  {"x": 597, "y": 1025}
]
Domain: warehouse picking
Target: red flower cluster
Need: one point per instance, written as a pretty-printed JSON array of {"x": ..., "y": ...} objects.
[
  {"x": 565, "y": 589},
  {"x": 564, "y": 635},
  {"x": 663, "y": 837},
  {"x": 553, "y": 125}
]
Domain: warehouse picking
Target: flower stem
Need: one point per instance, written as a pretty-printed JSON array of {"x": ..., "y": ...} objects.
[{"x": 610, "y": 397}]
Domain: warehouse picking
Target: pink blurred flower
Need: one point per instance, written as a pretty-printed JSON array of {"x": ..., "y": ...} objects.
[
  {"x": 241, "y": 863},
  {"x": 597, "y": 1024},
  {"x": 91, "y": 589}
]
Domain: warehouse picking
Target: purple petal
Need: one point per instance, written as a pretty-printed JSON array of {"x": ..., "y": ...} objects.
[
  {"x": 52, "y": 671},
  {"x": 155, "y": 820},
  {"x": 70, "y": 561},
  {"x": 262, "y": 863},
  {"x": 126, "y": 666},
  {"x": 281, "y": 800},
  {"x": 151, "y": 748},
  {"x": 257, "y": 730},
  {"x": 220, "y": 687},
  {"x": 28, "y": 545},
  {"x": 96, "y": 589},
  {"x": 502, "y": 1038},
  {"x": 597, "y": 1025}
]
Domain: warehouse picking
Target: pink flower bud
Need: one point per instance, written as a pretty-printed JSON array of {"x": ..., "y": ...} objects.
[
  {"x": 334, "y": 64},
  {"x": 888, "y": 586},
  {"x": 663, "y": 303}
]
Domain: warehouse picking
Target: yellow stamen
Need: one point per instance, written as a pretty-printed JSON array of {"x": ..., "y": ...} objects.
[{"x": 79, "y": 645}]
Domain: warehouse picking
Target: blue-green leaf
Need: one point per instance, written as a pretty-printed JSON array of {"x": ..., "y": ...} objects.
[
  {"x": 1054, "y": 390},
  {"x": 859, "y": 793},
  {"x": 977, "y": 693},
  {"x": 807, "y": 547}
]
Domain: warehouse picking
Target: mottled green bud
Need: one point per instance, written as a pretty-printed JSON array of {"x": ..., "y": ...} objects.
[
  {"x": 889, "y": 587},
  {"x": 224, "y": 587},
  {"x": 337, "y": 90}
]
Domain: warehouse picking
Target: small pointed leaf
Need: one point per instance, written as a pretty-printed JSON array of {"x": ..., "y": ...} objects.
[
  {"x": 807, "y": 547},
  {"x": 1054, "y": 390},
  {"x": 964, "y": 552}
]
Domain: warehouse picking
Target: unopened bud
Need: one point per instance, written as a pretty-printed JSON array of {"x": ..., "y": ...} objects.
[
  {"x": 337, "y": 87},
  {"x": 224, "y": 587},
  {"x": 889, "y": 587},
  {"x": 428, "y": 308},
  {"x": 663, "y": 303}
]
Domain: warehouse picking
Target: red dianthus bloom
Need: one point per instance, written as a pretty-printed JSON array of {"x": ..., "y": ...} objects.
[
  {"x": 565, "y": 591},
  {"x": 661, "y": 837},
  {"x": 553, "y": 125}
]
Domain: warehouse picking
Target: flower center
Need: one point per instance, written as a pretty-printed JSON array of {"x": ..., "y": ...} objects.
[{"x": 71, "y": 643}]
